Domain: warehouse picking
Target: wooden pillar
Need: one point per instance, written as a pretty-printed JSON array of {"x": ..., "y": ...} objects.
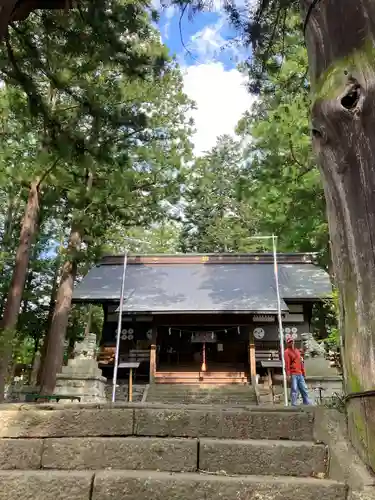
[
  {"x": 153, "y": 355},
  {"x": 252, "y": 361},
  {"x": 130, "y": 395}
]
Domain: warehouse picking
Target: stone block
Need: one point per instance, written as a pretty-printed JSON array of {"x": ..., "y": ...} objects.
[
  {"x": 45, "y": 485},
  {"x": 90, "y": 388},
  {"x": 294, "y": 425},
  {"x": 282, "y": 458},
  {"x": 66, "y": 422},
  {"x": 121, "y": 453},
  {"x": 357, "y": 427},
  {"x": 344, "y": 463},
  {"x": 177, "y": 422},
  {"x": 20, "y": 454},
  {"x": 142, "y": 485},
  {"x": 367, "y": 493}
]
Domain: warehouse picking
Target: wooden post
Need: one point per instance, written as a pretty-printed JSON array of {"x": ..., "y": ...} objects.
[
  {"x": 152, "y": 363},
  {"x": 204, "y": 366},
  {"x": 130, "y": 385},
  {"x": 252, "y": 360},
  {"x": 153, "y": 356}
]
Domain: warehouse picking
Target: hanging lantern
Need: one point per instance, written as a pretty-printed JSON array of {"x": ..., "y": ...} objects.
[{"x": 238, "y": 330}]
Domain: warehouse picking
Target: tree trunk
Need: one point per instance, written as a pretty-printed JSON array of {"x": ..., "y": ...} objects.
[
  {"x": 51, "y": 309},
  {"x": 340, "y": 41},
  {"x": 6, "y": 243},
  {"x": 56, "y": 336},
  {"x": 14, "y": 297}
]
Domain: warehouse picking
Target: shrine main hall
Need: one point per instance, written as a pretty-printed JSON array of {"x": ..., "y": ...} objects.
[{"x": 191, "y": 318}]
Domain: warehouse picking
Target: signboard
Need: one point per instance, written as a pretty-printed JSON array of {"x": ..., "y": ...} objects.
[
  {"x": 263, "y": 318},
  {"x": 203, "y": 337}
]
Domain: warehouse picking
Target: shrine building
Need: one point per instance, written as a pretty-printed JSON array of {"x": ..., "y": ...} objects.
[{"x": 211, "y": 318}]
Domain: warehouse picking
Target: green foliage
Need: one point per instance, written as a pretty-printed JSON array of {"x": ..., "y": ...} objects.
[
  {"x": 218, "y": 217},
  {"x": 266, "y": 183},
  {"x": 285, "y": 179},
  {"x": 93, "y": 108}
]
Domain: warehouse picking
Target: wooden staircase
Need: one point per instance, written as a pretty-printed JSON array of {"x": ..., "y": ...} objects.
[{"x": 198, "y": 378}]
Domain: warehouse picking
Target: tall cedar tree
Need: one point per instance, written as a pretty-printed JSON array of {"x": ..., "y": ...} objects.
[
  {"x": 76, "y": 83},
  {"x": 340, "y": 40}
]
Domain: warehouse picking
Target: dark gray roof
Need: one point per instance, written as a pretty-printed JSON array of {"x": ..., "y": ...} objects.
[{"x": 202, "y": 287}]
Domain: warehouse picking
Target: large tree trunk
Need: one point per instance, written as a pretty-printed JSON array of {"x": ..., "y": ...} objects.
[
  {"x": 7, "y": 243},
  {"x": 56, "y": 336},
  {"x": 340, "y": 41},
  {"x": 14, "y": 297},
  {"x": 51, "y": 309}
]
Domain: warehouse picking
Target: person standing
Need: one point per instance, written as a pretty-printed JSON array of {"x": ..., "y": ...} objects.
[{"x": 295, "y": 371}]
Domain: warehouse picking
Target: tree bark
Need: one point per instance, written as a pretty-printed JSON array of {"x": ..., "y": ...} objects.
[
  {"x": 6, "y": 243},
  {"x": 340, "y": 42},
  {"x": 51, "y": 309},
  {"x": 56, "y": 336},
  {"x": 14, "y": 297}
]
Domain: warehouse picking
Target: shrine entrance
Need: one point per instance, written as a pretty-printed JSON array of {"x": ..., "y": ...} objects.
[{"x": 199, "y": 351}]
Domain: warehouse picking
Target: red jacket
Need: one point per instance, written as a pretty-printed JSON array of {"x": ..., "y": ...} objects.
[{"x": 293, "y": 362}]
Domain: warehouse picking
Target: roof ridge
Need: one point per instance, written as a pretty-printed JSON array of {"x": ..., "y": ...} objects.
[{"x": 225, "y": 258}]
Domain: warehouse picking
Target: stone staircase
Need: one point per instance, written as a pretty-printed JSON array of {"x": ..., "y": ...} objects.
[
  {"x": 231, "y": 395},
  {"x": 160, "y": 452}
]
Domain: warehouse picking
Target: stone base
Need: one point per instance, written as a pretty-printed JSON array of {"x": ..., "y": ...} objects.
[
  {"x": 91, "y": 389},
  {"x": 82, "y": 377}
]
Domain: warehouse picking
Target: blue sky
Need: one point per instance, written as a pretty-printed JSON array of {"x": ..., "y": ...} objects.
[{"x": 209, "y": 60}]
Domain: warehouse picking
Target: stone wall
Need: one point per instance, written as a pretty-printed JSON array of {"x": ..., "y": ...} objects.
[
  {"x": 331, "y": 386},
  {"x": 53, "y": 452}
]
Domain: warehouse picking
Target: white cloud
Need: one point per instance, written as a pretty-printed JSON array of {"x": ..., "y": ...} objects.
[
  {"x": 169, "y": 13},
  {"x": 221, "y": 98},
  {"x": 210, "y": 44}
]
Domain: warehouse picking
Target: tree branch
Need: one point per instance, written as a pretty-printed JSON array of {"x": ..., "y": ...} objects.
[
  {"x": 293, "y": 155},
  {"x": 47, "y": 172}
]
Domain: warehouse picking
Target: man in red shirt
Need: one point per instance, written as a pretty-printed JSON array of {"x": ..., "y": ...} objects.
[{"x": 295, "y": 371}]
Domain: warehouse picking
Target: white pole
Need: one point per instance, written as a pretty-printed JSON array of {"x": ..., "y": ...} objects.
[
  {"x": 275, "y": 267},
  {"x": 119, "y": 327}
]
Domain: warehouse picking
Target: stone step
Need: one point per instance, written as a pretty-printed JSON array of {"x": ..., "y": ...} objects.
[
  {"x": 227, "y": 423},
  {"x": 198, "y": 392},
  {"x": 151, "y": 485},
  {"x": 248, "y": 457},
  {"x": 78, "y": 420},
  {"x": 227, "y": 394},
  {"x": 228, "y": 388},
  {"x": 237, "y": 391},
  {"x": 130, "y": 485},
  {"x": 202, "y": 399},
  {"x": 263, "y": 457}
]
